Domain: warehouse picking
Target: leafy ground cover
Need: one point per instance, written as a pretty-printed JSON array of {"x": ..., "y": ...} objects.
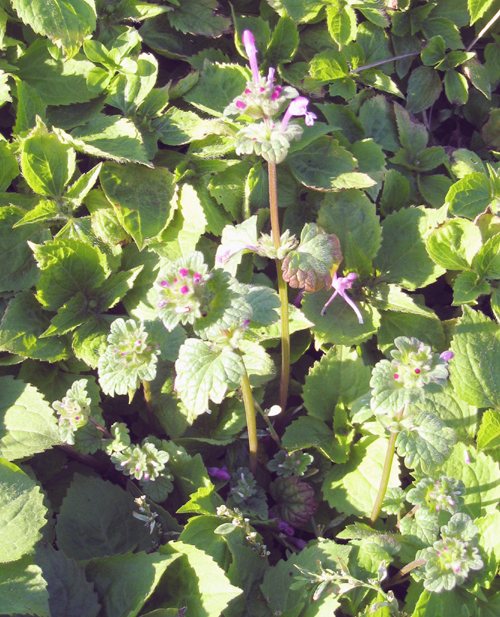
[{"x": 249, "y": 299}]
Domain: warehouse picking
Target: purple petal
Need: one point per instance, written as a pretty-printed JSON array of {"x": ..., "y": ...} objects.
[
  {"x": 251, "y": 49},
  {"x": 219, "y": 473},
  {"x": 446, "y": 356}
]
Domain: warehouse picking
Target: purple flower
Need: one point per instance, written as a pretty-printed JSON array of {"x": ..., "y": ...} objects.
[
  {"x": 220, "y": 473},
  {"x": 251, "y": 49},
  {"x": 446, "y": 356},
  {"x": 240, "y": 105},
  {"x": 183, "y": 272},
  {"x": 298, "y": 107},
  {"x": 341, "y": 285},
  {"x": 285, "y": 528}
]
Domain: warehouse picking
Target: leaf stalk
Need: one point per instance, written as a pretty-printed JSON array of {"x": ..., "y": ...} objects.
[{"x": 248, "y": 402}]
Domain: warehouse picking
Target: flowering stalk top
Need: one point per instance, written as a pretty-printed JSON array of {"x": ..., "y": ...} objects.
[
  {"x": 261, "y": 99},
  {"x": 341, "y": 285},
  {"x": 251, "y": 49}
]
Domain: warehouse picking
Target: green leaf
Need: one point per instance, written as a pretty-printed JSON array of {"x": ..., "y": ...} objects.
[
  {"x": 469, "y": 196},
  {"x": 9, "y": 168},
  {"x": 328, "y": 66},
  {"x": 218, "y": 85},
  {"x": 341, "y": 23},
  {"x": 481, "y": 477},
  {"x": 477, "y": 8},
  {"x": 21, "y": 336},
  {"x": 352, "y": 487},
  {"x": 351, "y": 212},
  {"x": 204, "y": 501},
  {"x": 326, "y": 166},
  {"x": 339, "y": 377},
  {"x": 377, "y": 117},
  {"x": 427, "y": 444},
  {"x": 56, "y": 82},
  {"x": 69, "y": 592},
  {"x": 47, "y": 163},
  {"x": 258, "y": 363},
  {"x": 68, "y": 267},
  {"x": 302, "y": 11},
  {"x": 71, "y": 315},
  {"x": 45, "y": 210},
  {"x": 23, "y": 589},
  {"x": 179, "y": 127},
  {"x": 235, "y": 242},
  {"x": 21, "y": 511},
  {"x": 456, "y": 413},
  {"x": 478, "y": 76},
  {"x": 284, "y": 42},
  {"x": 65, "y": 22},
  {"x": 487, "y": 261},
  {"x": 434, "y": 51},
  {"x": 109, "y": 137},
  {"x": 376, "y": 78},
  {"x": 444, "y": 27},
  {"x": 445, "y": 604},
  {"x": 339, "y": 325},
  {"x": 488, "y": 436},
  {"x": 421, "y": 530},
  {"x": 19, "y": 268},
  {"x": 456, "y": 88},
  {"x": 125, "y": 582},
  {"x": 426, "y": 328},
  {"x": 454, "y": 244},
  {"x": 403, "y": 258},
  {"x": 96, "y": 520},
  {"x": 205, "y": 373},
  {"x": 424, "y": 88},
  {"x": 489, "y": 533},
  {"x": 309, "y": 432},
  {"x": 467, "y": 287},
  {"x": 142, "y": 198},
  {"x": 196, "y": 582},
  {"x": 28, "y": 422},
  {"x": 475, "y": 367},
  {"x": 491, "y": 130},
  {"x": 199, "y": 17}
]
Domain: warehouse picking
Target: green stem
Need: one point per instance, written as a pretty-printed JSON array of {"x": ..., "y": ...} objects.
[
  {"x": 251, "y": 422},
  {"x": 380, "y": 62},
  {"x": 386, "y": 473},
  {"x": 149, "y": 402},
  {"x": 272, "y": 432},
  {"x": 282, "y": 287},
  {"x": 484, "y": 30},
  {"x": 100, "y": 428},
  {"x": 399, "y": 576}
]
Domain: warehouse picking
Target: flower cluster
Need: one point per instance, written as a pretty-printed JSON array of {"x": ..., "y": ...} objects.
[
  {"x": 285, "y": 464},
  {"x": 184, "y": 292},
  {"x": 262, "y": 99},
  {"x": 73, "y": 410},
  {"x": 247, "y": 495},
  {"x": 415, "y": 365},
  {"x": 128, "y": 359},
  {"x": 145, "y": 462},
  {"x": 238, "y": 520},
  {"x": 449, "y": 560},
  {"x": 444, "y": 494}
]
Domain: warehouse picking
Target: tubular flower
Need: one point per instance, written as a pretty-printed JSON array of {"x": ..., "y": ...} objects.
[
  {"x": 298, "y": 107},
  {"x": 341, "y": 285}
]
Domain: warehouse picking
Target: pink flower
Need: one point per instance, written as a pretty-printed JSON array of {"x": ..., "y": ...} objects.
[
  {"x": 446, "y": 356},
  {"x": 298, "y": 107},
  {"x": 240, "y": 104},
  {"x": 341, "y": 285},
  {"x": 251, "y": 49}
]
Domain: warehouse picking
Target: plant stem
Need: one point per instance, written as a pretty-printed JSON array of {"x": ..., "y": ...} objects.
[
  {"x": 397, "y": 578},
  {"x": 272, "y": 432},
  {"x": 149, "y": 402},
  {"x": 101, "y": 428},
  {"x": 386, "y": 473},
  {"x": 282, "y": 287},
  {"x": 246, "y": 391},
  {"x": 484, "y": 30},
  {"x": 380, "y": 62}
]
